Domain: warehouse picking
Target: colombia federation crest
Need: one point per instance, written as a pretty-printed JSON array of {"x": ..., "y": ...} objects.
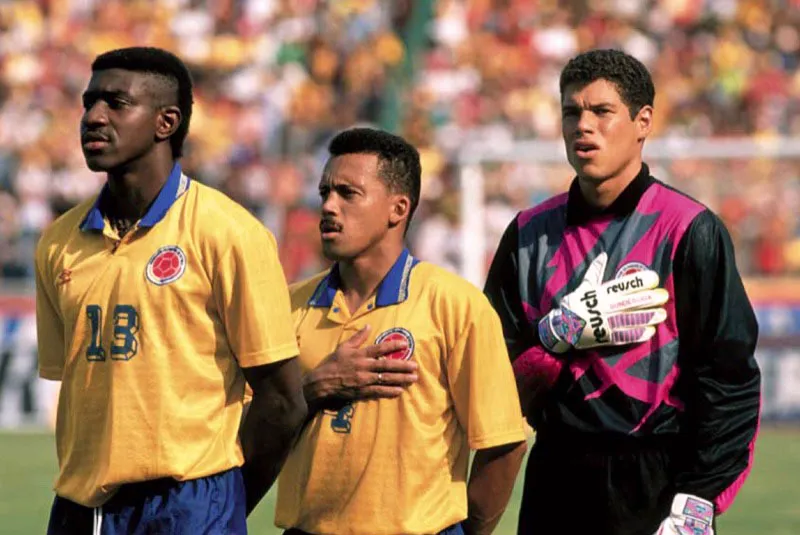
[
  {"x": 166, "y": 265},
  {"x": 397, "y": 333}
]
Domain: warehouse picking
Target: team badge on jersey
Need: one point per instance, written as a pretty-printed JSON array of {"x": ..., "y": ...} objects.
[
  {"x": 398, "y": 333},
  {"x": 166, "y": 265},
  {"x": 630, "y": 268}
]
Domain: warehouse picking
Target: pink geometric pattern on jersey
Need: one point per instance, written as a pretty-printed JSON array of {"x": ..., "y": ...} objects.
[
  {"x": 698, "y": 509},
  {"x": 675, "y": 214},
  {"x": 650, "y": 392},
  {"x": 568, "y": 326},
  {"x": 575, "y": 246},
  {"x": 654, "y": 231},
  {"x": 550, "y": 204},
  {"x": 531, "y": 312},
  {"x": 628, "y": 319}
]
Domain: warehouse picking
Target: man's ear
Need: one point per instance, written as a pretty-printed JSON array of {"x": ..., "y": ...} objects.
[
  {"x": 400, "y": 210},
  {"x": 168, "y": 121},
  {"x": 644, "y": 122}
]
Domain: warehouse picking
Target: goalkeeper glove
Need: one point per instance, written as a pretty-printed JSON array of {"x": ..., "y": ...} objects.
[
  {"x": 620, "y": 312},
  {"x": 690, "y": 515}
]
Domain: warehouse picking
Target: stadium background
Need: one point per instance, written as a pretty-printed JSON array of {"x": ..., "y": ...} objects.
[{"x": 473, "y": 84}]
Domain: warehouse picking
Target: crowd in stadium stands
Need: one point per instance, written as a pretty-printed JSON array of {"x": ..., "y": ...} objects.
[{"x": 276, "y": 78}]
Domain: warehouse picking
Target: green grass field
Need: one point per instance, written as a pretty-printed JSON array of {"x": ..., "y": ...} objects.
[{"x": 769, "y": 504}]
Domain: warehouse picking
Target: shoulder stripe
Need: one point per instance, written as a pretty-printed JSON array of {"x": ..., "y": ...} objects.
[
  {"x": 321, "y": 291},
  {"x": 551, "y": 204},
  {"x": 402, "y": 295}
]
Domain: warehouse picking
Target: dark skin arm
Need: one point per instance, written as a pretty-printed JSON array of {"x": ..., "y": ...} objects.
[
  {"x": 491, "y": 482},
  {"x": 351, "y": 373},
  {"x": 273, "y": 420}
]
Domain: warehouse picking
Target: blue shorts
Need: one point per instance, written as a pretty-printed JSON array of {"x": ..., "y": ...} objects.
[
  {"x": 455, "y": 529},
  {"x": 213, "y": 505}
]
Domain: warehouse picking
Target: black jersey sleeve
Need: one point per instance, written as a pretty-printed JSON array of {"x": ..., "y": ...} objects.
[
  {"x": 721, "y": 382},
  {"x": 502, "y": 289},
  {"x": 535, "y": 369}
]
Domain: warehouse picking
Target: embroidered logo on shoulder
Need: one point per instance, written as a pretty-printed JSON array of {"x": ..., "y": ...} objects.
[
  {"x": 64, "y": 277},
  {"x": 166, "y": 265},
  {"x": 630, "y": 268},
  {"x": 398, "y": 333}
]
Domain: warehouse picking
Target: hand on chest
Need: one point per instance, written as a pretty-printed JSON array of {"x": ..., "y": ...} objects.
[{"x": 391, "y": 335}]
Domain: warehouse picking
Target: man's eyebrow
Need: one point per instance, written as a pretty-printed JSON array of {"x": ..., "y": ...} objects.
[
  {"x": 107, "y": 93},
  {"x": 338, "y": 184},
  {"x": 570, "y": 106}
]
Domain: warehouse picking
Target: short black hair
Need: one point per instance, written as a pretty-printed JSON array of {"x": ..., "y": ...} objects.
[
  {"x": 398, "y": 165},
  {"x": 628, "y": 74},
  {"x": 164, "y": 65}
]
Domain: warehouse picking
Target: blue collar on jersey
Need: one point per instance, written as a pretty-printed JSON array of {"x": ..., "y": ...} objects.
[
  {"x": 392, "y": 290},
  {"x": 176, "y": 185}
]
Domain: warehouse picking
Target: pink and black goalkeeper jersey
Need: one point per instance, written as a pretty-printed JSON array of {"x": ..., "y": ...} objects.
[{"x": 695, "y": 382}]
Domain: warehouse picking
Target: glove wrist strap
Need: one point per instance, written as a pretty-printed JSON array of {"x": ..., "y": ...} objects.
[{"x": 547, "y": 334}]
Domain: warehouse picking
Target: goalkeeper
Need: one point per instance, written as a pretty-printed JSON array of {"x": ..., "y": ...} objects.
[{"x": 629, "y": 328}]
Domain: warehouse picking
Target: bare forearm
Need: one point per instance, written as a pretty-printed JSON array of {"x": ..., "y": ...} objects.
[
  {"x": 491, "y": 482},
  {"x": 268, "y": 434},
  {"x": 315, "y": 393}
]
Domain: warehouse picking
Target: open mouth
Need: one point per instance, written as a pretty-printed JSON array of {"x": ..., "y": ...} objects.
[{"x": 584, "y": 149}]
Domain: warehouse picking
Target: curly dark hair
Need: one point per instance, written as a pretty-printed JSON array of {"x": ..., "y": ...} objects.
[
  {"x": 398, "y": 166},
  {"x": 628, "y": 74},
  {"x": 173, "y": 75}
]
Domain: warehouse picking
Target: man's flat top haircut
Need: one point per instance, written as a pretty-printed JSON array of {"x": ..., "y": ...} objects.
[
  {"x": 628, "y": 74},
  {"x": 165, "y": 67},
  {"x": 399, "y": 165}
]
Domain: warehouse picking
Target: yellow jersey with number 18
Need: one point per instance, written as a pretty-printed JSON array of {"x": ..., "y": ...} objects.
[
  {"x": 148, "y": 335},
  {"x": 399, "y": 466}
]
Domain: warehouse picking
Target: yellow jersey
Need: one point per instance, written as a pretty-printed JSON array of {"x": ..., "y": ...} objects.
[
  {"x": 399, "y": 466},
  {"x": 148, "y": 335}
]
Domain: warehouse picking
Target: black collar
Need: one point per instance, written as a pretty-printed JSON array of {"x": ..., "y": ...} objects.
[{"x": 579, "y": 211}]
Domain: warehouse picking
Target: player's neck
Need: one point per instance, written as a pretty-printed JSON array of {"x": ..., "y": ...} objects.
[
  {"x": 361, "y": 276},
  {"x": 133, "y": 189},
  {"x": 601, "y": 194}
]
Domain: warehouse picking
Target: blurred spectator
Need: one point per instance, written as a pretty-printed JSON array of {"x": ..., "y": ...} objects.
[
  {"x": 722, "y": 68},
  {"x": 276, "y": 78}
]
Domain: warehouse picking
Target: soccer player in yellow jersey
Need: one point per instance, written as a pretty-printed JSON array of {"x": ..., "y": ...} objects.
[
  {"x": 156, "y": 301},
  {"x": 404, "y": 370}
]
